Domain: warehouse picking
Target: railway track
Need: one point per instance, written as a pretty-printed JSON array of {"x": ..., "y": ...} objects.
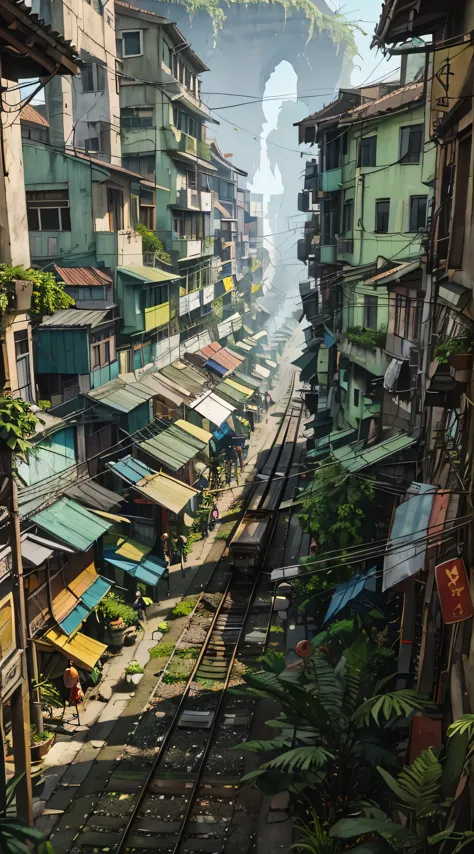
[{"x": 183, "y": 808}]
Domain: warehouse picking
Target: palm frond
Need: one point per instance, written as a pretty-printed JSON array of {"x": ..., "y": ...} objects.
[
  {"x": 394, "y": 704},
  {"x": 315, "y": 838},
  {"x": 300, "y": 759},
  {"x": 417, "y": 786}
]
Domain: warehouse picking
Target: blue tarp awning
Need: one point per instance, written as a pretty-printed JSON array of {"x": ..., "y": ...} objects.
[
  {"x": 149, "y": 570},
  {"x": 219, "y": 369},
  {"x": 130, "y": 469},
  {"x": 224, "y": 430},
  {"x": 89, "y": 599},
  {"x": 349, "y": 591}
]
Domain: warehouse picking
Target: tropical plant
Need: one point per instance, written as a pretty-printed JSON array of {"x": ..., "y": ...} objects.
[
  {"x": 452, "y": 347},
  {"x": 371, "y": 338},
  {"x": 15, "y": 835},
  {"x": 17, "y": 423},
  {"x": 49, "y": 696},
  {"x": 330, "y": 737},
  {"x": 133, "y": 668},
  {"x": 152, "y": 243},
  {"x": 39, "y": 736},
  {"x": 113, "y": 607},
  {"x": 47, "y": 297},
  {"x": 314, "y": 837},
  {"x": 422, "y": 796}
]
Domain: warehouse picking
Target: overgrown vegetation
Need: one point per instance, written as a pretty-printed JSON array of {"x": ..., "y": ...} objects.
[
  {"x": 453, "y": 347},
  {"x": 113, "y": 607},
  {"x": 134, "y": 668},
  {"x": 152, "y": 243},
  {"x": 184, "y": 608},
  {"x": 15, "y": 835},
  {"x": 371, "y": 338},
  {"x": 17, "y": 423},
  {"x": 48, "y": 295}
]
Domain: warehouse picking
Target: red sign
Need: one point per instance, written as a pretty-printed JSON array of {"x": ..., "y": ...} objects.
[{"x": 453, "y": 591}]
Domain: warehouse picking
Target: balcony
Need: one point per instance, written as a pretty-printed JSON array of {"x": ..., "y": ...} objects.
[
  {"x": 331, "y": 180},
  {"x": 345, "y": 246},
  {"x": 348, "y": 171},
  {"x": 312, "y": 177},
  {"x": 190, "y": 247},
  {"x": 203, "y": 150},
  {"x": 328, "y": 254},
  {"x": 187, "y": 144},
  {"x": 157, "y": 315},
  {"x": 373, "y": 359}
]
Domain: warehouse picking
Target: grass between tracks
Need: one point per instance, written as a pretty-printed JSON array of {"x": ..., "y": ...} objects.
[{"x": 228, "y": 520}]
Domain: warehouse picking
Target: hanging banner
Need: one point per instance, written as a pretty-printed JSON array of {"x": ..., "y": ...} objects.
[
  {"x": 228, "y": 282},
  {"x": 183, "y": 305},
  {"x": 453, "y": 591},
  {"x": 207, "y": 294}
]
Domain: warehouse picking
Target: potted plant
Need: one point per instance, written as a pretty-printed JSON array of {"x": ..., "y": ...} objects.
[
  {"x": 457, "y": 352},
  {"x": 134, "y": 672},
  {"x": 40, "y": 743}
]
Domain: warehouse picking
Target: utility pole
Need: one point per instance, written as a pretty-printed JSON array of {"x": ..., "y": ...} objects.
[{"x": 20, "y": 698}]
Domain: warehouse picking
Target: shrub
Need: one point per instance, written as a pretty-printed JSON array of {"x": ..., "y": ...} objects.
[
  {"x": 113, "y": 607},
  {"x": 48, "y": 295},
  {"x": 452, "y": 347},
  {"x": 152, "y": 243},
  {"x": 184, "y": 608},
  {"x": 134, "y": 667},
  {"x": 163, "y": 628},
  {"x": 163, "y": 649},
  {"x": 371, "y": 338}
]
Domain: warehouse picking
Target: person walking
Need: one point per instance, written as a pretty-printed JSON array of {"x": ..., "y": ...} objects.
[
  {"x": 140, "y": 606},
  {"x": 181, "y": 542},
  {"x": 214, "y": 517}
]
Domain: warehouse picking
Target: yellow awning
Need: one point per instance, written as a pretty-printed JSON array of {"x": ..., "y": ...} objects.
[
  {"x": 132, "y": 550},
  {"x": 243, "y": 388},
  {"x": 198, "y": 432},
  {"x": 112, "y": 516},
  {"x": 166, "y": 491},
  {"x": 228, "y": 282},
  {"x": 252, "y": 407},
  {"x": 80, "y": 649}
]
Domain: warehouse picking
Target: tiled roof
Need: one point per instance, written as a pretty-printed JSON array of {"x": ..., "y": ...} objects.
[
  {"x": 393, "y": 101},
  {"x": 90, "y": 276},
  {"x": 29, "y": 114}
]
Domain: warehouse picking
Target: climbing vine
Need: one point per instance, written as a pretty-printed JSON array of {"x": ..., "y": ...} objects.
[
  {"x": 48, "y": 295},
  {"x": 152, "y": 243},
  {"x": 339, "y": 29}
]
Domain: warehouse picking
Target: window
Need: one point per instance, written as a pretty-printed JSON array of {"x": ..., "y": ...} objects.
[
  {"x": 7, "y": 627},
  {"x": 167, "y": 56},
  {"x": 348, "y": 216},
  {"x": 34, "y": 131},
  {"x": 370, "y": 311},
  {"x": 418, "y": 211},
  {"x": 368, "y": 151},
  {"x": 186, "y": 123},
  {"x": 48, "y": 210},
  {"x": 156, "y": 295},
  {"x": 93, "y": 77},
  {"x": 382, "y": 213},
  {"x": 144, "y": 164},
  {"x": 356, "y": 397},
  {"x": 92, "y": 144},
  {"x": 115, "y": 201},
  {"x": 22, "y": 356},
  {"x": 102, "y": 348},
  {"x": 411, "y": 143},
  {"x": 132, "y": 43},
  {"x": 134, "y": 211},
  {"x": 136, "y": 117}
]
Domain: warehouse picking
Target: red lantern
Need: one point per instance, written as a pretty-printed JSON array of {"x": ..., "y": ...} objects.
[
  {"x": 70, "y": 677},
  {"x": 304, "y": 649}
]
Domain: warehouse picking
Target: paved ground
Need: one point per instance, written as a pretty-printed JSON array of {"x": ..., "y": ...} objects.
[{"x": 84, "y": 755}]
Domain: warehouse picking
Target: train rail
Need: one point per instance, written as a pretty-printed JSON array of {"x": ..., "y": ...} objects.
[{"x": 189, "y": 808}]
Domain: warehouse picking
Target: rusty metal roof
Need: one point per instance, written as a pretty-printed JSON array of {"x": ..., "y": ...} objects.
[
  {"x": 395, "y": 272},
  {"x": 393, "y": 101},
  {"x": 29, "y": 114},
  {"x": 85, "y": 276},
  {"x": 77, "y": 317}
]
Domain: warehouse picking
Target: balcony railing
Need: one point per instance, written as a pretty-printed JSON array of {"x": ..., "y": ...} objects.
[{"x": 345, "y": 245}]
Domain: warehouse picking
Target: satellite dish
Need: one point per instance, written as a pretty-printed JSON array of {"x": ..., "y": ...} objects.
[{"x": 304, "y": 649}]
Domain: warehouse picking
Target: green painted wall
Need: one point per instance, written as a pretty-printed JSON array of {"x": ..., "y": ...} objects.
[
  {"x": 51, "y": 456},
  {"x": 61, "y": 351}
]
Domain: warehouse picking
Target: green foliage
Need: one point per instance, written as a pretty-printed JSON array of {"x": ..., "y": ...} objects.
[
  {"x": 371, "y": 338},
  {"x": 15, "y": 836},
  {"x": 339, "y": 29},
  {"x": 314, "y": 838},
  {"x": 163, "y": 628},
  {"x": 48, "y": 295},
  {"x": 390, "y": 705},
  {"x": 184, "y": 608},
  {"x": 133, "y": 668},
  {"x": 17, "y": 423},
  {"x": 452, "y": 347},
  {"x": 39, "y": 737},
  {"x": 112, "y": 607},
  {"x": 277, "y": 630},
  {"x": 50, "y": 698},
  {"x": 152, "y": 243},
  {"x": 163, "y": 649}
]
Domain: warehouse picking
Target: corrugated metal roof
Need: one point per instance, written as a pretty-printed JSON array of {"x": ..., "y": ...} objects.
[
  {"x": 83, "y": 276},
  {"x": 172, "y": 447},
  {"x": 69, "y": 521},
  {"x": 158, "y": 387},
  {"x": 29, "y": 114},
  {"x": 213, "y": 407},
  {"x": 198, "y": 432},
  {"x": 76, "y": 317},
  {"x": 240, "y": 344},
  {"x": 131, "y": 549},
  {"x": 346, "y": 593},
  {"x": 393, "y": 101},
  {"x": 149, "y": 570},
  {"x": 252, "y": 382},
  {"x": 215, "y": 366},
  {"x": 260, "y": 371},
  {"x": 36, "y": 550},
  {"x": 148, "y": 274},
  {"x": 122, "y": 396},
  {"x": 81, "y": 650},
  {"x": 352, "y": 462},
  {"x": 167, "y": 492},
  {"x": 130, "y": 469},
  {"x": 227, "y": 392},
  {"x": 407, "y": 546},
  {"x": 89, "y": 599},
  {"x": 262, "y": 334},
  {"x": 396, "y": 272},
  {"x": 94, "y": 495},
  {"x": 245, "y": 389},
  {"x": 227, "y": 360},
  {"x": 185, "y": 375}
]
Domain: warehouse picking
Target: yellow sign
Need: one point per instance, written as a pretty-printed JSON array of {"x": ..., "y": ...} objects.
[
  {"x": 450, "y": 69},
  {"x": 228, "y": 282},
  {"x": 156, "y": 316},
  {"x": 256, "y": 288}
]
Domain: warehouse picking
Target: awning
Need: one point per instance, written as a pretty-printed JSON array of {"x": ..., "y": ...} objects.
[
  {"x": 69, "y": 521},
  {"x": 233, "y": 395},
  {"x": 130, "y": 469},
  {"x": 271, "y": 363},
  {"x": 94, "y": 495},
  {"x": 241, "y": 346},
  {"x": 129, "y": 549},
  {"x": 247, "y": 380},
  {"x": 173, "y": 447},
  {"x": 353, "y": 462},
  {"x": 36, "y": 550},
  {"x": 305, "y": 359},
  {"x": 260, "y": 371},
  {"x": 120, "y": 520},
  {"x": 258, "y": 335},
  {"x": 398, "y": 271},
  {"x": 89, "y": 599},
  {"x": 333, "y": 440},
  {"x": 198, "y": 432},
  {"x": 407, "y": 546},
  {"x": 190, "y": 378},
  {"x": 391, "y": 374},
  {"x": 226, "y": 359},
  {"x": 167, "y": 492},
  {"x": 348, "y": 592},
  {"x": 248, "y": 392},
  {"x": 121, "y": 396},
  {"x": 160, "y": 389},
  {"x": 83, "y": 651},
  {"x": 148, "y": 274},
  {"x": 213, "y": 407},
  {"x": 214, "y": 366},
  {"x": 231, "y": 324},
  {"x": 149, "y": 570},
  {"x": 310, "y": 372}
]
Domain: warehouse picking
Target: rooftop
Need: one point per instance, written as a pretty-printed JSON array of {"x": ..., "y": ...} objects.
[
  {"x": 29, "y": 114},
  {"x": 77, "y": 317},
  {"x": 34, "y": 47},
  {"x": 401, "y": 97}
]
